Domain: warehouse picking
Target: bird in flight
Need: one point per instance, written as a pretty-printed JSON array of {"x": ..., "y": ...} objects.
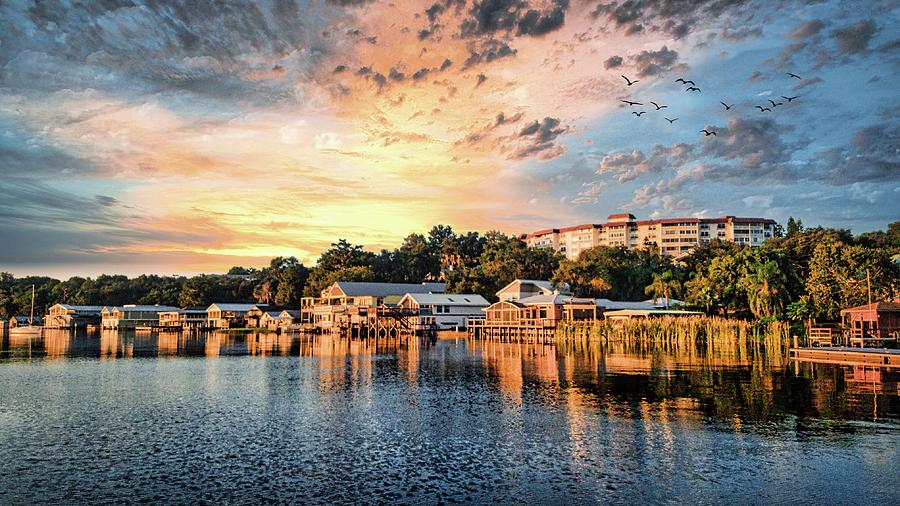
[
  {"x": 692, "y": 88},
  {"x": 763, "y": 109},
  {"x": 638, "y": 114},
  {"x": 708, "y": 132},
  {"x": 682, "y": 81},
  {"x": 789, "y": 98},
  {"x": 658, "y": 107},
  {"x": 727, "y": 107},
  {"x": 670, "y": 120},
  {"x": 631, "y": 103},
  {"x": 774, "y": 103},
  {"x": 629, "y": 81},
  {"x": 795, "y": 76}
]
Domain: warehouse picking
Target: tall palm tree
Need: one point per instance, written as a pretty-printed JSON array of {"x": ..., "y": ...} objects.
[
  {"x": 663, "y": 285},
  {"x": 767, "y": 290}
]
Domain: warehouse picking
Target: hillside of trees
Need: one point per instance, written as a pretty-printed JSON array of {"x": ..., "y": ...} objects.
[{"x": 808, "y": 273}]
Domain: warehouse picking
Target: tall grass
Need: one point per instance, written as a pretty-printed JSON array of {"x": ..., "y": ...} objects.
[{"x": 700, "y": 335}]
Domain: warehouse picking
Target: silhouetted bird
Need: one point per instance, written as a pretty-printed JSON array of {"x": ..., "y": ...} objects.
[
  {"x": 789, "y": 98},
  {"x": 795, "y": 76},
  {"x": 658, "y": 107},
  {"x": 727, "y": 107},
  {"x": 630, "y": 102},
  {"x": 708, "y": 132},
  {"x": 774, "y": 103},
  {"x": 629, "y": 81},
  {"x": 692, "y": 89},
  {"x": 638, "y": 114},
  {"x": 682, "y": 81},
  {"x": 763, "y": 109},
  {"x": 670, "y": 120}
]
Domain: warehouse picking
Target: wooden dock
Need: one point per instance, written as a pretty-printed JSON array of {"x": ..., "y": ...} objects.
[{"x": 848, "y": 356}]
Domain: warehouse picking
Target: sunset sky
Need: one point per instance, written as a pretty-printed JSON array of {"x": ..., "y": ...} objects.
[{"x": 186, "y": 137}]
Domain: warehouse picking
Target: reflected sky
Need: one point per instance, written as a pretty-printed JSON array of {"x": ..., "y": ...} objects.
[{"x": 263, "y": 417}]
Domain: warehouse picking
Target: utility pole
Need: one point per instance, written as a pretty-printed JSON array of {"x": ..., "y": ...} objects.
[{"x": 869, "y": 284}]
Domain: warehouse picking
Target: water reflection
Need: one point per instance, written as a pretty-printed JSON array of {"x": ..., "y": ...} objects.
[{"x": 733, "y": 382}]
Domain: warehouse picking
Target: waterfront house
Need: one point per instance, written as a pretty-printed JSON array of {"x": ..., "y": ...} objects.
[
  {"x": 275, "y": 319},
  {"x": 878, "y": 322},
  {"x": 543, "y": 311},
  {"x": 228, "y": 315},
  {"x": 255, "y": 314},
  {"x": 67, "y": 316},
  {"x": 130, "y": 316},
  {"x": 184, "y": 318},
  {"x": 348, "y": 303},
  {"x": 438, "y": 311},
  {"x": 22, "y": 321},
  {"x": 522, "y": 288}
]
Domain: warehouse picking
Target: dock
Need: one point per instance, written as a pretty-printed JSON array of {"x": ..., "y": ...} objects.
[{"x": 848, "y": 356}]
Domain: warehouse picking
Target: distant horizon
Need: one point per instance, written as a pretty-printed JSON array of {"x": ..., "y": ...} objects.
[{"x": 63, "y": 273}]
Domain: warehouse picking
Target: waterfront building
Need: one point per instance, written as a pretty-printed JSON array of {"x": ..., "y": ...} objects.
[
  {"x": 347, "y": 303},
  {"x": 878, "y": 322},
  {"x": 227, "y": 315},
  {"x": 255, "y": 315},
  {"x": 671, "y": 236},
  {"x": 130, "y": 316},
  {"x": 184, "y": 318},
  {"x": 67, "y": 316},
  {"x": 23, "y": 321},
  {"x": 522, "y": 288},
  {"x": 276, "y": 319},
  {"x": 442, "y": 311}
]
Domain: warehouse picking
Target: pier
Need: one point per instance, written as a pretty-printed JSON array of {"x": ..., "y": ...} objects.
[{"x": 848, "y": 356}]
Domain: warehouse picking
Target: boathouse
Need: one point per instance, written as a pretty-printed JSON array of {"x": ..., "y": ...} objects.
[
  {"x": 228, "y": 315},
  {"x": 347, "y": 304},
  {"x": 67, "y": 316},
  {"x": 187, "y": 318},
  {"x": 442, "y": 311},
  {"x": 130, "y": 316},
  {"x": 22, "y": 321},
  {"x": 879, "y": 320}
]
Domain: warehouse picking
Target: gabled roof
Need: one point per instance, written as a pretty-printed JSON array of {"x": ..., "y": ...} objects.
[
  {"x": 83, "y": 309},
  {"x": 146, "y": 308},
  {"x": 552, "y": 299},
  {"x": 364, "y": 288},
  {"x": 448, "y": 299},
  {"x": 880, "y": 307},
  {"x": 543, "y": 285},
  {"x": 230, "y": 307},
  {"x": 293, "y": 313}
]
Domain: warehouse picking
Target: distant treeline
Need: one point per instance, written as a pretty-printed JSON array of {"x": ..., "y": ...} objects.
[{"x": 807, "y": 273}]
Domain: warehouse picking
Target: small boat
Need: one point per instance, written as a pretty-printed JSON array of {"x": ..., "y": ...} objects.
[{"x": 30, "y": 330}]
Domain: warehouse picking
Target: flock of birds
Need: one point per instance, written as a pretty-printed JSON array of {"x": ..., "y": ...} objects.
[{"x": 692, "y": 87}]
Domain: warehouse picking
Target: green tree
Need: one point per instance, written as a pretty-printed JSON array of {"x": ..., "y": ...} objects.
[{"x": 663, "y": 286}]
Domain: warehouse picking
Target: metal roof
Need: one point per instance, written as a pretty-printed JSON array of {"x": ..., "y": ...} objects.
[
  {"x": 82, "y": 308},
  {"x": 363, "y": 289},
  {"x": 449, "y": 299},
  {"x": 230, "y": 307},
  {"x": 135, "y": 307}
]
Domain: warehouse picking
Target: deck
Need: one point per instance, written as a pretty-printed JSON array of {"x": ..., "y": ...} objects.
[{"x": 848, "y": 356}]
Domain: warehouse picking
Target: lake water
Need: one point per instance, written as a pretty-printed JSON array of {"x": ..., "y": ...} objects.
[{"x": 225, "y": 418}]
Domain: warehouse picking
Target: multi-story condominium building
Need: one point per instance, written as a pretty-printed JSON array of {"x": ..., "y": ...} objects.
[{"x": 673, "y": 236}]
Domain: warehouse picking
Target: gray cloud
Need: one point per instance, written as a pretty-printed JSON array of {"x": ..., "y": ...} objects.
[
  {"x": 675, "y": 17},
  {"x": 855, "y": 38},
  {"x": 872, "y": 155},
  {"x": 539, "y": 137},
  {"x": 612, "y": 62},
  {"x": 808, "y": 29},
  {"x": 487, "y": 51},
  {"x": 487, "y": 17},
  {"x": 649, "y": 63}
]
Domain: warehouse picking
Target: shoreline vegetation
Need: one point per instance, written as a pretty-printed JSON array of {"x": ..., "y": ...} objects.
[{"x": 799, "y": 276}]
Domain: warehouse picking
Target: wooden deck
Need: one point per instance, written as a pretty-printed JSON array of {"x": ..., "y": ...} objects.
[{"x": 848, "y": 356}]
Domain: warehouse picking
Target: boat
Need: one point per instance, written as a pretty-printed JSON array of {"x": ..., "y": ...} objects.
[{"x": 30, "y": 330}]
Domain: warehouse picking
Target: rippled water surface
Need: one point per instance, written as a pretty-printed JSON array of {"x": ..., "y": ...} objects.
[{"x": 246, "y": 418}]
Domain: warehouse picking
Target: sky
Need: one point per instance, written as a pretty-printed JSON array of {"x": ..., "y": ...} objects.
[{"x": 186, "y": 137}]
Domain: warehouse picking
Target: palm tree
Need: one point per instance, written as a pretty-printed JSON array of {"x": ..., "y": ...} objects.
[
  {"x": 766, "y": 290},
  {"x": 663, "y": 285}
]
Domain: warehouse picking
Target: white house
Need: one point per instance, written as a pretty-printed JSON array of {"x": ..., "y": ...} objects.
[{"x": 442, "y": 311}]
